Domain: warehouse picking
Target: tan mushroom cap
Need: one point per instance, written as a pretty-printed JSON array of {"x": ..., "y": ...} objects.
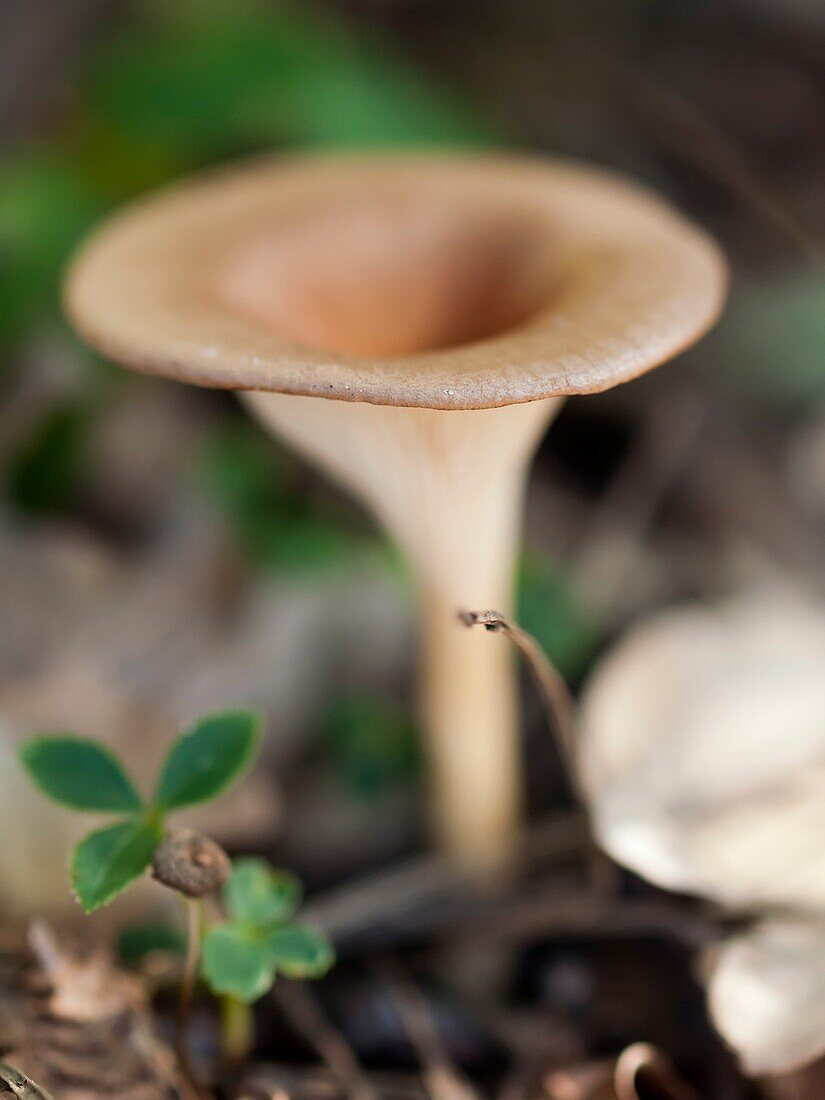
[{"x": 446, "y": 282}]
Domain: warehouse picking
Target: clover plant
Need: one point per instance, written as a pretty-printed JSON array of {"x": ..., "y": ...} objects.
[
  {"x": 84, "y": 775},
  {"x": 258, "y": 939}
]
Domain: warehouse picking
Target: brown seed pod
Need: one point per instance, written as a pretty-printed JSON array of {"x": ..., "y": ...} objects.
[{"x": 191, "y": 863}]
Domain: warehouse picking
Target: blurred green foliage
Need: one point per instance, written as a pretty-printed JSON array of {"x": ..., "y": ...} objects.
[
  {"x": 45, "y": 207},
  {"x": 45, "y": 472},
  {"x": 775, "y": 335},
  {"x": 139, "y": 940},
  {"x": 371, "y": 742},
  {"x": 190, "y": 83},
  {"x": 204, "y": 78},
  {"x": 173, "y": 87},
  {"x": 546, "y": 607},
  {"x": 275, "y": 522}
]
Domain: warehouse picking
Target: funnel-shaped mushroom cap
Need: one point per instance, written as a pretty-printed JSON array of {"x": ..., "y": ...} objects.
[{"x": 440, "y": 282}]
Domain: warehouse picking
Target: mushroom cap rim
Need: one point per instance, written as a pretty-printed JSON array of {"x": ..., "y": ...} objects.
[{"x": 413, "y": 376}]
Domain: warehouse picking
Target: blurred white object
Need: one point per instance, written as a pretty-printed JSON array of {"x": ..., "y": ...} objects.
[
  {"x": 703, "y": 751},
  {"x": 765, "y": 990},
  {"x": 703, "y": 760}
]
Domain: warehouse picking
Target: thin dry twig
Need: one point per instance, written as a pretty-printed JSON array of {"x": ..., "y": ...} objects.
[
  {"x": 551, "y": 1041},
  {"x": 608, "y": 550},
  {"x": 561, "y": 709},
  {"x": 643, "y": 1062},
  {"x": 443, "y": 1079},
  {"x": 287, "y": 1082},
  {"x": 20, "y": 1085},
  {"x": 588, "y": 1081},
  {"x": 568, "y": 911},
  {"x": 304, "y": 1014},
  {"x": 428, "y": 880},
  {"x": 70, "y": 1017},
  {"x": 562, "y": 719},
  {"x": 677, "y": 122}
]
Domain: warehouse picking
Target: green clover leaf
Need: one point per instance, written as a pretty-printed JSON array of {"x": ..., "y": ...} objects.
[
  {"x": 109, "y": 859},
  {"x": 299, "y": 952},
  {"x": 260, "y": 896},
  {"x": 207, "y": 758},
  {"x": 243, "y": 956},
  {"x": 80, "y": 774},
  {"x": 236, "y": 961},
  {"x": 83, "y": 775}
]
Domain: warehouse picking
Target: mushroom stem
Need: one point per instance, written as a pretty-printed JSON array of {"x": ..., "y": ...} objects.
[
  {"x": 448, "y": 487},
  {"x": 559, "y": 704},
  {"x": 468, "y": 707}
]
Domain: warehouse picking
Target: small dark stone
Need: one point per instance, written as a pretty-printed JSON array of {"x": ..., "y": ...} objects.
[{"x": 191, "y": 863}]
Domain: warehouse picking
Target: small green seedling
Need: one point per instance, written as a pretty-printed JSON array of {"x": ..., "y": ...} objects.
[
  {"x": 83, "y": 775},
  {"x": 260, "y": 940},
  {"x": 241, "y": 955}
]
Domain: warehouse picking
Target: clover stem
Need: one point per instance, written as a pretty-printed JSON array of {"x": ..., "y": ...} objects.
[
  {"x": 237, "y": 1030},
  {"x": 190, "y": 972}
]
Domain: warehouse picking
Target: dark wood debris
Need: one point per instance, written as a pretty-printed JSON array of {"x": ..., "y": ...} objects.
[{"x": 78, "y": 1026}]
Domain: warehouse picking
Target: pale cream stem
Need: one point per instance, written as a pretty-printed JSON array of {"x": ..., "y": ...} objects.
[
  {"x": 468, "y": 704},
  {"x": 448, "y": 486}
]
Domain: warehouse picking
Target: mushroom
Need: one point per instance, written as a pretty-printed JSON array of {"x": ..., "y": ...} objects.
[
  {"x": 765, "y": 993},
  {"x": 702, "y": 757},
  {"x": 702, "y": 750},
  {"x": 412, "y": 323}
]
